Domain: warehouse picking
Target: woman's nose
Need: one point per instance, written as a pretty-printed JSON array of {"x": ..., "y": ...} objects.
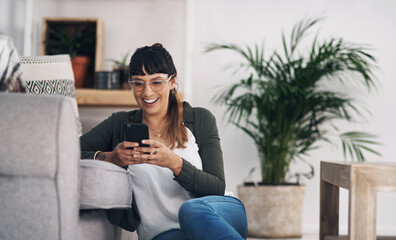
[{"x": 147, "y": 88}]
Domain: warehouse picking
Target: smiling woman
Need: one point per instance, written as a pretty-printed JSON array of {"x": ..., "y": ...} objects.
[
  {"x": 180, "y": 184},
  {"x": 161, "y": 106}
]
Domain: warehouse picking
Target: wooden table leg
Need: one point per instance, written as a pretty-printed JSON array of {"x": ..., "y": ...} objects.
[
  {"x": 362, "y": 208},
  {"x": 329, "y": 209}
]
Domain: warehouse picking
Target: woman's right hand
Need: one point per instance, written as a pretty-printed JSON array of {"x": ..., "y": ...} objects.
[{"x": 121, "y": 155}]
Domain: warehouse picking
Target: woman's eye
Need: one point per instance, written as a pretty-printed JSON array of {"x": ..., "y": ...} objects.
[
  {"x": 138, "y": 84},
  {"x": 156, "y": 82}
]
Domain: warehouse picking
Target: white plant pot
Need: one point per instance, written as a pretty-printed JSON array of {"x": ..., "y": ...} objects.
[{"x": 273, "y": 211}]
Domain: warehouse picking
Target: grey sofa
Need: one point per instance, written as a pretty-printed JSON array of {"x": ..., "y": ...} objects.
[{"x": 46, "y": 191}]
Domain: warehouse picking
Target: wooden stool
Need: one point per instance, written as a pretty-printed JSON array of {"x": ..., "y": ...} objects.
[{"x": 363, "y": 180}]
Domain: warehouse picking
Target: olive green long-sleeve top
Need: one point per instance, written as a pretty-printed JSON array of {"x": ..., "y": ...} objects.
[{"x": 209, "y": 181}]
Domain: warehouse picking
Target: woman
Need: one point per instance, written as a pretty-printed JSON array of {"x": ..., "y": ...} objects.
[{"x": 179, "y": 187}]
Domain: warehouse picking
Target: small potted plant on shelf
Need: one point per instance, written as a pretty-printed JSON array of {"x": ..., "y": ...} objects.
[
  {"x": 122, "y": 68},
  {"x": 80, "y": 46},
  {"x": 283, "y": 106}
]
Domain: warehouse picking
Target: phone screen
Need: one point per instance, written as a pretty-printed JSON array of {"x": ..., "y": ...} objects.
[{"x": 136, "y": 132}]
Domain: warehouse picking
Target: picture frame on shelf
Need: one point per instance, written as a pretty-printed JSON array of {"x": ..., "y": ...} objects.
[{"x": 76, "y": 37}]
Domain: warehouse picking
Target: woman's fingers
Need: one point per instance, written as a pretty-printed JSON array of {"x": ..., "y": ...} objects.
[
  {"x": 155, "y": 154},
  {"x": 155, "y": 146},
  {"x": 123, "y": 154},
  {"x": 152, "y": 143},
  {"x": 126, "y": 145}
]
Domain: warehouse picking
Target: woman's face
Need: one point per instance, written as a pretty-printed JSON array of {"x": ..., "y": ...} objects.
[{"x": 152, "y": 92}]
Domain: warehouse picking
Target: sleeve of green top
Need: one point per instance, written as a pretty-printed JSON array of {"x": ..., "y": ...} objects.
[
  {"x": 210, "y": 180},
  {"x": 98, "y": 138}
]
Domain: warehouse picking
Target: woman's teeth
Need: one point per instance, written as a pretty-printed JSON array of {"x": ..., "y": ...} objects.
[{"x": 150, "y": 100}]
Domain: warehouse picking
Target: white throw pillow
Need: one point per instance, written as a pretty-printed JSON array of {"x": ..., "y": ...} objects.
[{"x": 50, "y": 75}]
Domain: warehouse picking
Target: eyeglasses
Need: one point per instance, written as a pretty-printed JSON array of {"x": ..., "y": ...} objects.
[{"x": 156, "y": 84}]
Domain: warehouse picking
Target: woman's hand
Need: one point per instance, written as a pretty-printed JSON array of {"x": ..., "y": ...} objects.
[
  {"x": 123, "y": 154},
  {"x": 158, "y": 154}
]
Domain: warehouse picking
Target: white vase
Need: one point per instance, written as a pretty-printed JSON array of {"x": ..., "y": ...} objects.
[{"x": 273, "y": 211}]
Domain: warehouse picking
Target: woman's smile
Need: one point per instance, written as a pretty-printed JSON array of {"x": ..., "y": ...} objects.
[{"x": 150, "y": 101}]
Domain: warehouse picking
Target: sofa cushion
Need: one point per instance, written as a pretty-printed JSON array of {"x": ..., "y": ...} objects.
[
  {"x": 50, "y": 75},
  {"x": 104, "y": 185}
]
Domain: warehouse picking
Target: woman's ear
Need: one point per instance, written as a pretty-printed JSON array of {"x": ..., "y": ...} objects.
[{"x": 173, "y": 82}]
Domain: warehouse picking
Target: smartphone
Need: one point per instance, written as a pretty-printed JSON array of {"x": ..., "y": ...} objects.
[{"x": 136, "y": 132}]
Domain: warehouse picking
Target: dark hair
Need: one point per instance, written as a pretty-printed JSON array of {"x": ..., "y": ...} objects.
[
  {"x": 153, "y": 59},
  {"x": 156, "y": 59}
]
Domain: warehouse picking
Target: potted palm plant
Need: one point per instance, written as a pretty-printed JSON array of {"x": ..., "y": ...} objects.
[{"x": 283, "y": 106}]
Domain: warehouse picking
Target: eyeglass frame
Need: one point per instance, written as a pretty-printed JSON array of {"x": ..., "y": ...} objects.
[{"x": 130, "y": 82}]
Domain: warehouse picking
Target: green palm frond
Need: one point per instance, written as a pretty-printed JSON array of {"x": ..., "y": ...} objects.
[{"x": 353, "y": 143}]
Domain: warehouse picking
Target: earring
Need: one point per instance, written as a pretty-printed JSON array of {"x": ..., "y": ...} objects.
[{"x": 173, "y": 91}]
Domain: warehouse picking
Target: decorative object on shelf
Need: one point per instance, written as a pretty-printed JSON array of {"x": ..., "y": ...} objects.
[
  {"x": 107, "y": 80},
  {"x": 284, "y": 107},
  {"x": 80, "y": 66},
  {"x": 81, "y": 39},
  {"x": 78, "y": 45},
  {"x": 122, "y": 67}
]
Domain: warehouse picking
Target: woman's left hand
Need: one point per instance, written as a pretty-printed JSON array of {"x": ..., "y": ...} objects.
[{"x": 159, "y": 154}]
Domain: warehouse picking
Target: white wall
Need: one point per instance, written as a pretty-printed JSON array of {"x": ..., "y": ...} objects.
[
  {"x": 10, "y": 21},
  {"x": 131, "y": 24},
  {"x": 251, "y": 21}
]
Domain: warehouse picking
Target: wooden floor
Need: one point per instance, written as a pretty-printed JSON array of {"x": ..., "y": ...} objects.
[
  {"x": 305, "y": 237},
  {"x": 316, "y": 237}
]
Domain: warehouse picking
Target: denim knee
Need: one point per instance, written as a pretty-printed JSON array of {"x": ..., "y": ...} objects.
[
  {"x": 189, "y": 207},
  {"x": 215, "y": 214}
]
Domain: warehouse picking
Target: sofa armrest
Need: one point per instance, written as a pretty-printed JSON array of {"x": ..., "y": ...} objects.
[
  {"x": 39, "y": 162},
  {"x": 104, "y": 185}
]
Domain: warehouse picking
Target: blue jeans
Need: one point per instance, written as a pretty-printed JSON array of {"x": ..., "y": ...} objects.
[{"x": 211, "y": 217}]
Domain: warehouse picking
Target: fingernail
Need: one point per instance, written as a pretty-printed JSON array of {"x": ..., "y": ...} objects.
[{"x": 143, "y": 141}]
